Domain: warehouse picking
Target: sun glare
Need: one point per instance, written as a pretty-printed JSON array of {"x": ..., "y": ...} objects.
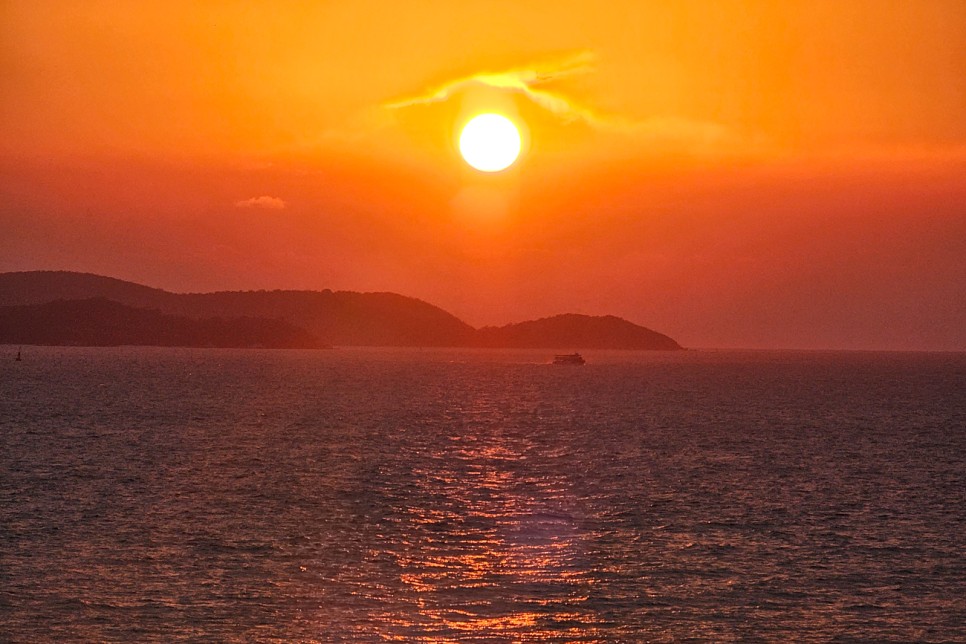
[{"x": 490, "y": 142}]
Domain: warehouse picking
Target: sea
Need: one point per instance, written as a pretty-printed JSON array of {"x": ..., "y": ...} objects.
[{"x": 449, "y": 495}]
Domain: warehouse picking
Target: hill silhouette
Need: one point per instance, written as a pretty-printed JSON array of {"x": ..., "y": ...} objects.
[
  {"x": 576, "y": 331},
  {"x": 332, "y": 317},
  {"x": 343, "y": 318},
  {"x": 103, "y": 322}
]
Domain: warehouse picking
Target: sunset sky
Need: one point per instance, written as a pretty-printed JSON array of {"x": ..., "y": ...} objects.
[{"x": 732, "y": 173}]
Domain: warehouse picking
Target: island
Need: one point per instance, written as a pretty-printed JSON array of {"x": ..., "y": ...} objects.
[{"x": 69, "y": 308}]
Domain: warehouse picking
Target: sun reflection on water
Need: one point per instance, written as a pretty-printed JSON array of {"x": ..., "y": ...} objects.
[{"x": 501, "y": 535}]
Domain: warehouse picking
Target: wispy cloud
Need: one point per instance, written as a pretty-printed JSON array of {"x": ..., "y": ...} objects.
[
  {"x": 528, "y": 81},
  {"x": 265, "y": 202},
  {"x": 679, "y": 130},
  {"x": 524, "y": 80}
]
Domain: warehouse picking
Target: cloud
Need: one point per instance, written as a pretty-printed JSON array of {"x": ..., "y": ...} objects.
[
  {"x": 524, "y": 80},
  {"x": 661, "y": 130},
  {"x": 681, "y": 130},
  {"x": 266, "y": 202}
]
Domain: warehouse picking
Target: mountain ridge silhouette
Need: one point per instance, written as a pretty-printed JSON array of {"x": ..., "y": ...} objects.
[{"x": 328, "y": 317}]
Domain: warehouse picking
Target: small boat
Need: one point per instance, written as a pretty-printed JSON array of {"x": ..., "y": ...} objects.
[{"x": 569, "y": 358}]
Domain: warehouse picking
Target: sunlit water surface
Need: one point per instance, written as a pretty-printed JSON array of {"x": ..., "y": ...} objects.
[{"x": 158, "y": 495}]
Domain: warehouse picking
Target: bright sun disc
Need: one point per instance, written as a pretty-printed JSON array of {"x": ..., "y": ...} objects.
[{"x": 490, "y": 142}]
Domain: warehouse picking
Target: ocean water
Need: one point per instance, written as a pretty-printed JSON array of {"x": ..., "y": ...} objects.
[{"x": 366, "y": 495}]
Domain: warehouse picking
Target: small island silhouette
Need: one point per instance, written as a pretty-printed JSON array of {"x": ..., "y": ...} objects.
[{"x": 68, "y": 308}]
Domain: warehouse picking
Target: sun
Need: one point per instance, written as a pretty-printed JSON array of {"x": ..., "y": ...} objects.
[{"x": 490, "y": 142}]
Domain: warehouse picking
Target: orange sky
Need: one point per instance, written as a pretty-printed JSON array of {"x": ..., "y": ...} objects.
[{"x": 734, "y": 174}]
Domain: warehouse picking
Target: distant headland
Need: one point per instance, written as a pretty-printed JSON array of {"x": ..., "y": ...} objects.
[{"x": 68, "y": 308}]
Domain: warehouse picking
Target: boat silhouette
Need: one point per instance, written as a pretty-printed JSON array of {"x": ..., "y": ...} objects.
[{"x": 569, "y": 358}]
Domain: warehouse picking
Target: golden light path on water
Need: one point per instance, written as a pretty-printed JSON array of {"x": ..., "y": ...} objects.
[{"x": 494, "y": 533}]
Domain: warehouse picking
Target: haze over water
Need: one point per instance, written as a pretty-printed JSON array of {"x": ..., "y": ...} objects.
[{"x": 160, "y": 495}]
